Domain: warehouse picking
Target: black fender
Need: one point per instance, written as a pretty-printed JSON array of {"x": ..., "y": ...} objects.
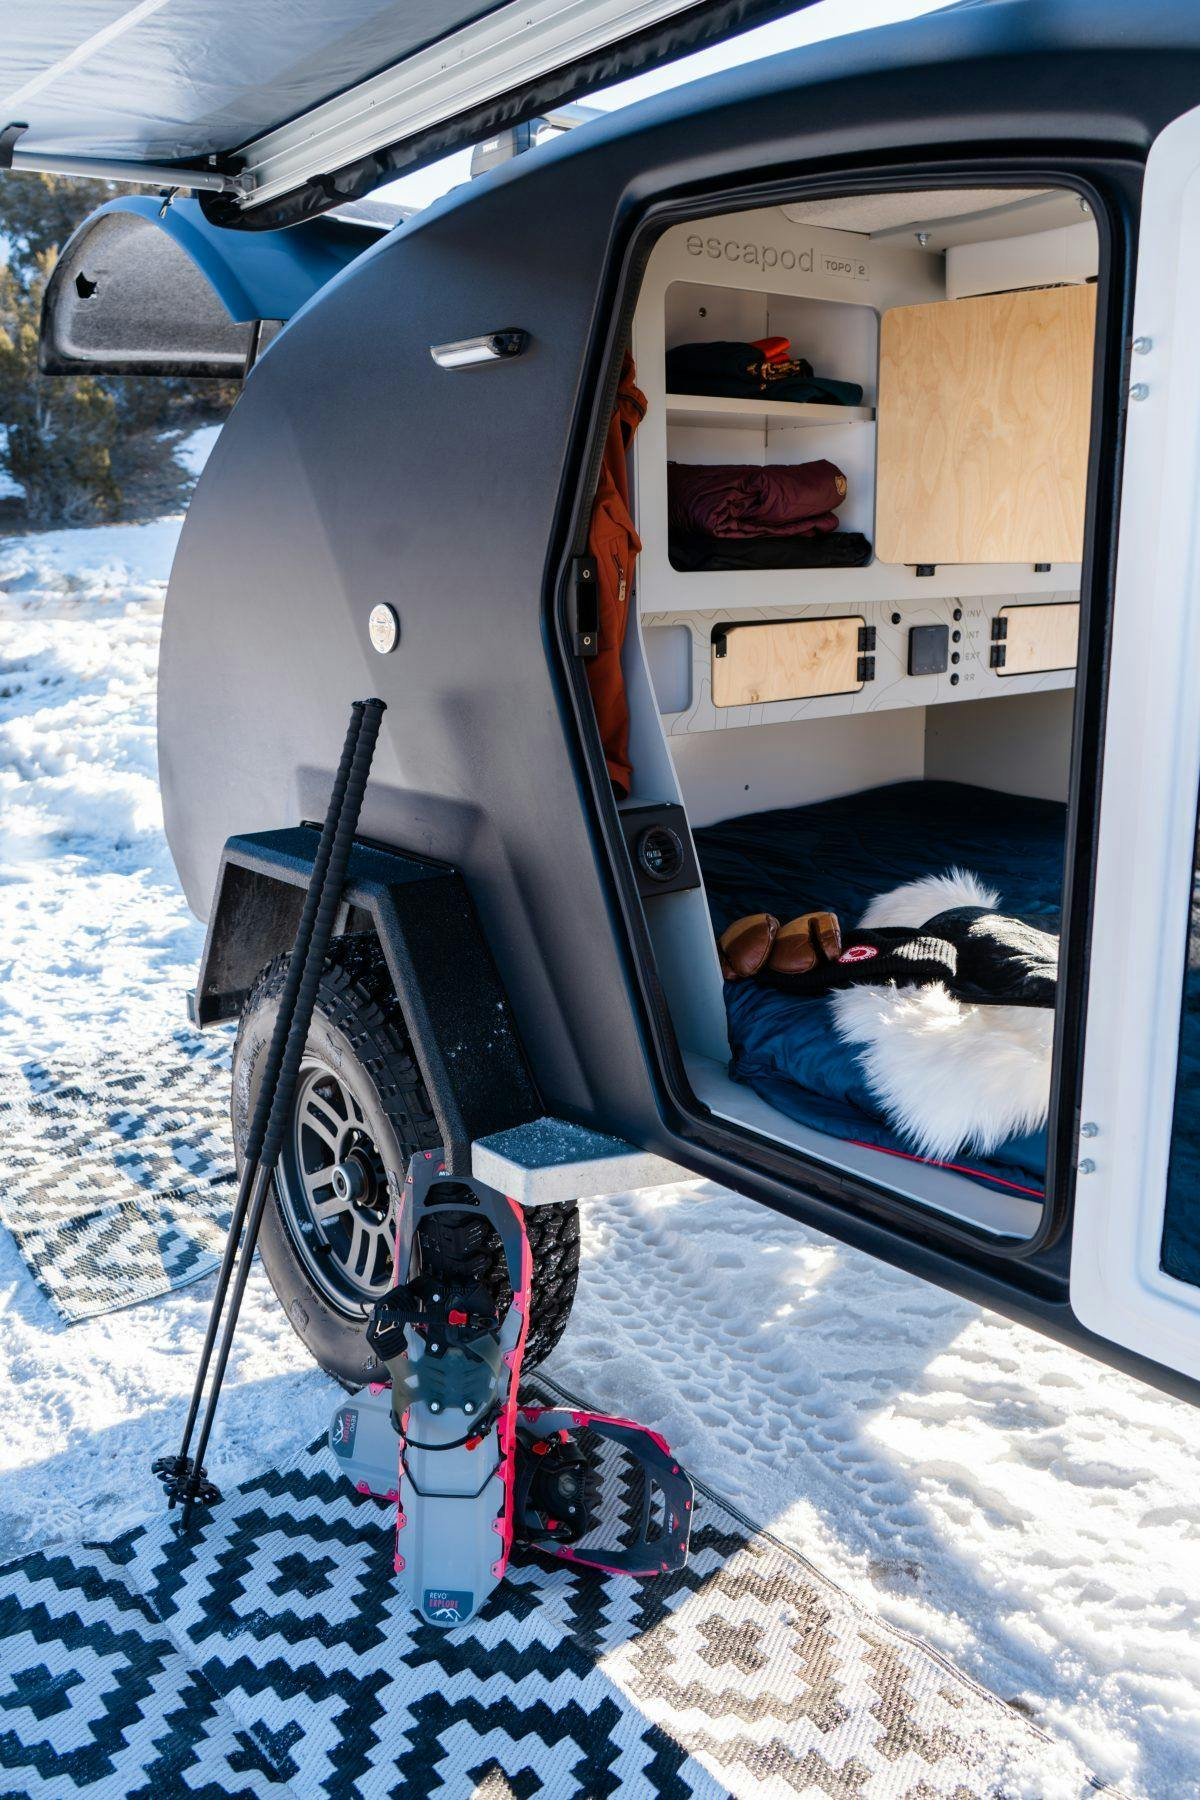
[{"x": 463, "y": 1032}]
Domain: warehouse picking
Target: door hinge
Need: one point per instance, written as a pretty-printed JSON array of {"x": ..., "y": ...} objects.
[{"x": 585, "y": 606}]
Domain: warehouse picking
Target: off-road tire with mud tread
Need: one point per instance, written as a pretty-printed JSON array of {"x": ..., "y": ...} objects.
[{"x": 358, "y": 1020}]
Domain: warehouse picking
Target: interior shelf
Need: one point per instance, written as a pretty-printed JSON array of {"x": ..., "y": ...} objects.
[{"x": 717, "y": 413}]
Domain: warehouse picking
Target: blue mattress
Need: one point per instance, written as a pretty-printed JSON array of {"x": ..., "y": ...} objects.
[{"x": 839, "y": 854}]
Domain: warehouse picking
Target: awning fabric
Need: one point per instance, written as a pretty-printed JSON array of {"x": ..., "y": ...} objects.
[{"x": 210, "y": 85}]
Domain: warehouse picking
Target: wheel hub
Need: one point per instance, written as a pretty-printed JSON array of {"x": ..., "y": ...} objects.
[
  {"x": 349, "y": 1181},
  {"x": 360, "y": 1178},
  {"x": 334, "y": 1189}
]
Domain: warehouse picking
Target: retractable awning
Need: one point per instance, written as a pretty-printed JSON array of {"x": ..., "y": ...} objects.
[{"x": 279, "y": 109}]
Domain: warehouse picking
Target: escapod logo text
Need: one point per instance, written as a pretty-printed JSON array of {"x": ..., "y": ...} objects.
[{"x": 770, "y": 256}]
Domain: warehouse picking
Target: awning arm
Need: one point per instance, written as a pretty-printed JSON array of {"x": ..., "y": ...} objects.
[{"x": 111, "y": 168}]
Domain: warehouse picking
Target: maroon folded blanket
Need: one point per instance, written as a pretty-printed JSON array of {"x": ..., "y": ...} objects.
[{"x": 742, "y": 500}]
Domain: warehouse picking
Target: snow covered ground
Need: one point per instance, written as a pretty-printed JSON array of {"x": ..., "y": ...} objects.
[{"x": 1033, "y": 1515}]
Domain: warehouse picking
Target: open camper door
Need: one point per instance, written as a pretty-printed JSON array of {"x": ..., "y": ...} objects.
[{"x": 1135, "y": 1270}]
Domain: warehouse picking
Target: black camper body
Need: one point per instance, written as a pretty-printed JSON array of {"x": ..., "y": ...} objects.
[{"x": 359, "y": 472}]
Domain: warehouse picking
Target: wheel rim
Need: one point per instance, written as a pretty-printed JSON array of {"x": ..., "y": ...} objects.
[{"x": 333, "y": 1186}]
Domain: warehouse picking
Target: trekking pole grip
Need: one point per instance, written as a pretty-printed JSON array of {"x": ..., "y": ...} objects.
[{"x": 322, "y": 931}]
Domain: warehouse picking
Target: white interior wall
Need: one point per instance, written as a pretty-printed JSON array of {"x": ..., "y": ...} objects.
[
  {"x": 839, "y": 337},
  {"x": 850, "y": 447},
  {"x": 1019, "y": 745},
  {"x": 1040, "y": 259},
  {"x": 723, "y": 773}
]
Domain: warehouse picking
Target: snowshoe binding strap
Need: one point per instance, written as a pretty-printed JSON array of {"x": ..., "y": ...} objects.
[
  {"x": 567, "y": 1464},
  {"x": 447, "y": 1317},
  {"x": 458, "y": 1372}
]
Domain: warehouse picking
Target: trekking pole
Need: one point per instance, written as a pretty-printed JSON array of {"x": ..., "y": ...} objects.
[
  {"x": 174, "y": 1472},
  {"x": 197, "y": 1487},
  {"x": 183, "y": 1476}
]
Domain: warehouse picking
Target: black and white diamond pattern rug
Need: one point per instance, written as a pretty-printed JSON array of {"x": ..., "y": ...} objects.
[
  {"x": 119, "y": 1171},
  {"x": 273, "y": 1651}
]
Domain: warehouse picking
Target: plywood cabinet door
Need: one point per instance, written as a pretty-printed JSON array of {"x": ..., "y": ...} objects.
[
  {"x": 797, "y": 659},
  {"x": 984, "y": 421}
]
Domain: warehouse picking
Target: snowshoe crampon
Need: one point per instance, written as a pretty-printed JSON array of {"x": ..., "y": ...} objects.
[{"x": 470, "y": 1469}]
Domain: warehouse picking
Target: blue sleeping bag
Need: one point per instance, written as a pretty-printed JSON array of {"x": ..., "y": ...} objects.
[{"x": 839, "y": 854}]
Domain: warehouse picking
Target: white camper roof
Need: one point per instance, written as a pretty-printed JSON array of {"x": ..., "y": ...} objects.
[{"x": 258, "y": 101}]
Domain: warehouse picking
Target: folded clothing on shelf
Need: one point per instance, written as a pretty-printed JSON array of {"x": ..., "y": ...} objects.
[
  {"x": 761, "y": 371},
  {"x": 747, "y": 500},
  {"x": 828, "y": 550}
]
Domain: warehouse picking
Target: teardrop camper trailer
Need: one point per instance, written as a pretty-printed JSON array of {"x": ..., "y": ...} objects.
[{"x": 768, "y": 515}]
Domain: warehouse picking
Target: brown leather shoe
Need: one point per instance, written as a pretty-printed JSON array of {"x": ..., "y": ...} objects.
[
  {"x": 746, "y": 945},
  {"x": 802, "y": 943}
]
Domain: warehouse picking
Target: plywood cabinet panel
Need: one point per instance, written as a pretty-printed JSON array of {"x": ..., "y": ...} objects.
[
  {"x": 984, "y": 421},
  {"x": 797, "y": 659},
  {"x": 1036, "y": 640}
]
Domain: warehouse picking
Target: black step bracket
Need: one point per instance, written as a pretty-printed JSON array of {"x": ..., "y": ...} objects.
[
  {"x": 999, "y": 655},
  {"x": 585, "y": 606}
]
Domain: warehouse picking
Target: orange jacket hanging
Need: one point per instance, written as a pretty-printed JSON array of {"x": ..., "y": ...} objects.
[{"x": 614, "y": 543}]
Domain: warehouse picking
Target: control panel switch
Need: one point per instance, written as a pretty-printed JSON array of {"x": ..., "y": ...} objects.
[{"x": 928, "y": 649}]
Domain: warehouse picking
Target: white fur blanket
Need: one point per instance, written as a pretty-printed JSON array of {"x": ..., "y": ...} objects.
[{"x": 948, "y": 1076}]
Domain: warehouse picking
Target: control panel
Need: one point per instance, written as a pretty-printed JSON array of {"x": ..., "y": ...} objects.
[
  {"x": 928, "y": 649},
  {"x": 930, "y": 653}
]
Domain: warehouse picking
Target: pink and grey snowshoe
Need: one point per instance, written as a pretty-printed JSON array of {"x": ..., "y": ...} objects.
[{"x": 472, "y": 1469}]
